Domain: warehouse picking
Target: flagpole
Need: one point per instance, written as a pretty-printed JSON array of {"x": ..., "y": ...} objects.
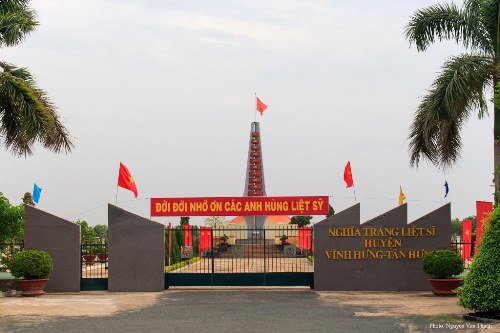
[
  {"x": 116, "y": 198},
  {"x": 255, "y": 111},
  {"x": 354, "y": 189}
]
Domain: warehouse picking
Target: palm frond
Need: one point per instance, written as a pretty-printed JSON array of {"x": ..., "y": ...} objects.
[
  {"x": 27, "y": 115},
  {"x": 489, "y": 19},
  {"x": 447, "y": 22},
  {"x": 456, "y": 93},
  {"x": 473, "y": 6},
  {"x": 17, "y": 20}
]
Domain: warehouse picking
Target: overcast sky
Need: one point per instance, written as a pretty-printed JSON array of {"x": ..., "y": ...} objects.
[{"x": 167, "y": 88}]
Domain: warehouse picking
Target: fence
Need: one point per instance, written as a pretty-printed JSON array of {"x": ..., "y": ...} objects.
[
  {"x": 7, "y": 250},
  {"x": 465, "y": 250},
  {"x": 94, "y": 260},
  {"x": 239, "y": 250}
]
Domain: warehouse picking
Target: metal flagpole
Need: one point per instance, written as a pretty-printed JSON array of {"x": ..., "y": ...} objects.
[
  {"x": 116, "y": 198},
  {"x": 354, "y": 189},
  {"x": 255, "y": 111}
]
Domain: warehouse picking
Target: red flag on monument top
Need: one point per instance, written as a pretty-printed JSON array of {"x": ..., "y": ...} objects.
[
  {"x": 125, "y": 179},
  {"x": 348, "y": 175},
  {"x": 261, "y": 107}
]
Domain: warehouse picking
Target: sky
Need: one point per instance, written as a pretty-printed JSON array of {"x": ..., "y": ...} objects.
[{"x": 168, "y": 88}]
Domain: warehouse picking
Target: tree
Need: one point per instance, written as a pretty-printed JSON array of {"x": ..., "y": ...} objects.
[
  {"x": 456, "y": 225},
  {"x": 184, "y": 220},
  {"x": 458, "y": 91},
  {"x": 216, "y": 221},
  {"x": 331, "y": 211},
  {"x": 27, "y": 115},
  {"x": 28, "y": 199},
  {"x": 301, "y": 221},
  {"x": 101, "y": 232},
  {"x": 11, "y": 221},
  {"x": 480, "y": 289},
  {"x": 87, "y": 233},
  {"x": 177, "y": 240}
]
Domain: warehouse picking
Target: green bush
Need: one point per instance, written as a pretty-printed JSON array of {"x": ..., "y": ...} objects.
[
  {"x": 480, "y": 291},
  {"x": 442, "y": 264},
  {"x": 181, "y": 264},
  {"x": 31, "y": 264},
  {"x": 177, "y": 241}
]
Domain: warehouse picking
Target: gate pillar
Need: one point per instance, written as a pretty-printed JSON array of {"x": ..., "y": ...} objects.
[{"x": 136, "y": 252}]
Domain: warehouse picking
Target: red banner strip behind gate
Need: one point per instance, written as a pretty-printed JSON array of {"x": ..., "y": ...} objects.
[
  {"x": 239, "y": 206},
  {"x": 305, "y": 238},
  {"x": 188, "y": 235},
  {"x": 205, "y": 238}
]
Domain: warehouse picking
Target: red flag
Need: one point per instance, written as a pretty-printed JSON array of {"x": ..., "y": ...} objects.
[
  {"x": 301, "y": 238},
  {"x": 305, "y": 238},
  {"x": 125, "y": 180},
  {"x": 348, "y": 175},
  {"x": 188, "y": 235},
  {"x": 208, "y": 239},
  {"x": 482, "y": 210},
  {"x": 201, "y": 245},
  {"x": 466, "y": 239},
  {"x": 261, "y": 107},
  {"x": 205, "y": 238}
]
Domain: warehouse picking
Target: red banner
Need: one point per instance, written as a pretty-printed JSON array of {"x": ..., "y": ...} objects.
[
  {"x": 239, "y": 206},
  {"x": 205, "y": 238},
  {"x": 483, "y": 208},
  {"x": 305, "y": 238},
  {"x": 188, "y": 235},
  {"x": 466, "y": 238}
]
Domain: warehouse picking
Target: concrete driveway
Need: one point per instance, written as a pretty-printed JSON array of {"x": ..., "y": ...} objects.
[{"x": 236, "y": 310}]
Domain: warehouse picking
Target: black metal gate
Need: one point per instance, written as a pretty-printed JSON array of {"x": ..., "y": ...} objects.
[
  {"x": 232, "y": 256},
  {"x": 94, "y": 266}
]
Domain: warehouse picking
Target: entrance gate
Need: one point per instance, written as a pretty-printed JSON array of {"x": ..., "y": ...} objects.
[
  {"x": 94, "y": 266},
  {"x": 232, "y": 256}
]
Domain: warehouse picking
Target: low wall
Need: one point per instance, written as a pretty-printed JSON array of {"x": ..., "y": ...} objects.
[
  {"x": 61, "y": 239},
  {"x": 136, "y": 252}
]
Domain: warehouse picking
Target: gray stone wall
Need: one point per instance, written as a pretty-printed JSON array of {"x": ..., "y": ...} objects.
[
  {"x": 136, "y": 252},
  {"x": 383, "y": 254},
  {"x": 61, "y": 239}
]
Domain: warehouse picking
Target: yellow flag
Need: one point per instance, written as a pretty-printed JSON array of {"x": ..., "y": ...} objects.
[{"x": 402, "y": 196}]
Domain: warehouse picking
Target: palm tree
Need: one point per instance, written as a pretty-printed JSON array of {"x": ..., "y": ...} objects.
[
  {"x": 27, "y": 115},
  {"x": 459, "y": 90}
]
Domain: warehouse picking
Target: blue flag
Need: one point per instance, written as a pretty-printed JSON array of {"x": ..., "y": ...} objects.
[
  {"x": 446, "y": 188},
  {"x": 36, "y": 193}
]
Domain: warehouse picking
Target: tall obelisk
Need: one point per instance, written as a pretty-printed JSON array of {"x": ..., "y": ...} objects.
[{"x": 255, "y": 185}]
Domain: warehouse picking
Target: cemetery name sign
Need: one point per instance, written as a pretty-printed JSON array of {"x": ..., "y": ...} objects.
[
  {"x": 379, "y": 243},
  {"x": 240, "y": 206},
  {"x": 384, "y": 253}
]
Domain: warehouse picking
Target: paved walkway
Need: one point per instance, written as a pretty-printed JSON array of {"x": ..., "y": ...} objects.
[{"x": 236, "y": 310}]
